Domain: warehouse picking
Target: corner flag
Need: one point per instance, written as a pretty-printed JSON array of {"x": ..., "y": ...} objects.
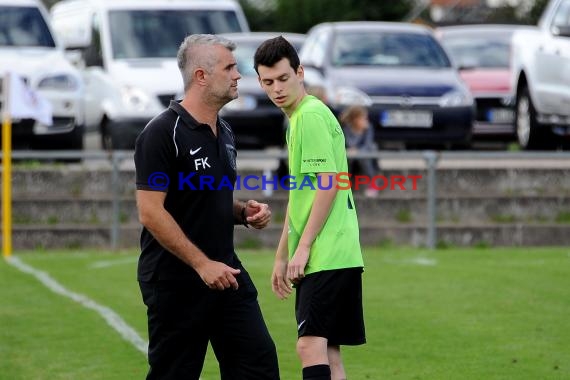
[
  {"x": 25, "y": 103},
  {"x": 21, "y": 102}
]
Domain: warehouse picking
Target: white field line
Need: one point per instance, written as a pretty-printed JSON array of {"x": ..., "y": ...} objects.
[
  {"x": 422, "y": 261},
  {"x": 110, "y": 263},
  {"x": 113, "y": 319}
]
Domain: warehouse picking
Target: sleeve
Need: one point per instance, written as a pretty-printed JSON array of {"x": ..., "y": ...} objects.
[
  {"x": 369, "y": 143},
  {"x": 317, "y": 155},
  {"x": 349, "y": 139},
  {"x": 154, "y": 156}
]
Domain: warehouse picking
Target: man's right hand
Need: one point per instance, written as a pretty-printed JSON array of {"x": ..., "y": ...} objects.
[{"x": 217, "y": 275}]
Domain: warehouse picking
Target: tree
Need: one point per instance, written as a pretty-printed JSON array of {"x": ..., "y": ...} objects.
[
  {"x": 536, "y": 11},
  {"x": 49, "y": 3},
  {"x": 260, "y": 18},
  {"x": 300, "y": 15}
]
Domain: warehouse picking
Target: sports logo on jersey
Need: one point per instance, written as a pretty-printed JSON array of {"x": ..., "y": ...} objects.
[{"x": 194, "y": 151}]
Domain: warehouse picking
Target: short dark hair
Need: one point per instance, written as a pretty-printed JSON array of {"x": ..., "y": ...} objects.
[{"x": 274, "y": 50}]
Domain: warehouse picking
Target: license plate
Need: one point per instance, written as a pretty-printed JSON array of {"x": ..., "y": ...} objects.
[
  {"x": 409, "y": 119},
  {"x": 500, "y": 115}
]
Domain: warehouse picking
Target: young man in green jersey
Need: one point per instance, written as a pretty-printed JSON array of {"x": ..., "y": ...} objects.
[{"x": 319, "y": 250}]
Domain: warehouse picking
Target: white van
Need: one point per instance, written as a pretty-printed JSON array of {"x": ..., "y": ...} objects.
[
  {"x": 128, "y": 53},
  {"x": 28, "y": 48}
]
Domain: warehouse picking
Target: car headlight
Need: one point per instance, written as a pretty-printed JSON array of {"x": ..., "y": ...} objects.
[
  {"x": 456, "y": 98},
  {"x": 135, "y": 98},
  {"x": 59, "y": 82},
  {"x": 344, "y": 96},
  {"x": 242, "y": 103}
]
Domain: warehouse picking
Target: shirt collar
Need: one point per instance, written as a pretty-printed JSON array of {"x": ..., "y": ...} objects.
[{"x": 189, "y": 119}]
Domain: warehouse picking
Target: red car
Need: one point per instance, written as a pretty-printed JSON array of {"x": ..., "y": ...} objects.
[{"x": 482, "y": 54}]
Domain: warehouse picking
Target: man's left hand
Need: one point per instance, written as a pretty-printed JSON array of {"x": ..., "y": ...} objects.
[{"x": 258, "y": 215}]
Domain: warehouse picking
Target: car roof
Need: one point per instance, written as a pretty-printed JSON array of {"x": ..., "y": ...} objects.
[
  {"x": 262, "y": 36},
  {"x": 19, "y": 3},
  {"x": 478, "y": 28},
  {"x": 375, "y": 25},
  {"x": 153, "y": 4}
]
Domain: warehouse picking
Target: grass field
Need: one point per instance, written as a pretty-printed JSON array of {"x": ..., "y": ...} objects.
[{"x": 445, "y": 314}]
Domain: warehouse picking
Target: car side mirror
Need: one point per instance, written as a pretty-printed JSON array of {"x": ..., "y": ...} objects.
[
  {"x": 314, "y": 76},
  {"x": 315, "y": 67},
  {"x": 75, "y": 58},
  {"x": 561, "y": 31},
  {"x": 466, "y": 67}
]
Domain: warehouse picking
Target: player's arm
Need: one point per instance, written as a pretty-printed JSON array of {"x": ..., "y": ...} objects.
[
  {"x": 324, "y": 197},
  {"x": 163, "y": 227}
]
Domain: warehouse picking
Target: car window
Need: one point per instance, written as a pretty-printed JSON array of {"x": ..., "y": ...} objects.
[
  {"x": 245, "y": 50},
  {"x": 315, "y": 51},
  {"x": 387, "y": 49},
  {"x": 488, "y": 50},
  {"x": 93, "y": 53},
  {"x": 142, "y": 33},
  {"x": 24, "y": 26},
  {"x": 244, "y": 53},
  {"x": 562, "y": 16}
]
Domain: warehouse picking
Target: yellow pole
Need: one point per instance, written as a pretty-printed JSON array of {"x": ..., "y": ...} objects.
[{"x": 6, "y": 174}]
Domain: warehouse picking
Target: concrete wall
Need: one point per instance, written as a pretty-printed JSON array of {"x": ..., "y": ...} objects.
[{"x": 72, "y": 206}]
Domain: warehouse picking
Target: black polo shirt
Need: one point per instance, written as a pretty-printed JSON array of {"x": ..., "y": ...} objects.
[{"x": 178, "y": 155}]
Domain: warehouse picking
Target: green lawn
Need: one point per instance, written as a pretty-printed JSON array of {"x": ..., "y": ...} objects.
[{"x": 445, "y": 314}]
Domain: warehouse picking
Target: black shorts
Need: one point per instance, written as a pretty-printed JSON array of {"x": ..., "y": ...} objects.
[
  {"x": 183, "y": 316},
  {"x": 329, "y": 305}
]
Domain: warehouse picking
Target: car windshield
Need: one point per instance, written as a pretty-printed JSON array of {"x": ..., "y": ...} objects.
[
  {"x": 244, "y": 56},
  {"x": 388, "y": 49},
  {"x": 24, "y": 26},
  {"x": 490, "y": 50},
  {"x": 245, "y": 50},
  {"x": 158, "y": 33}
]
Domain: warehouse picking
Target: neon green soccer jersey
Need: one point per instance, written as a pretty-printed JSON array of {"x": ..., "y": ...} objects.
[{"x": 315, "y": 143}]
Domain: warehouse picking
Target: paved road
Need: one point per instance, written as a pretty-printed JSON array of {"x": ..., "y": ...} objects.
[{"x": 92, "y": 141}]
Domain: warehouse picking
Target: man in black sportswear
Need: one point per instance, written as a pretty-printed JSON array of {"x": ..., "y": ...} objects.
[{"x": 192, "y": 282}]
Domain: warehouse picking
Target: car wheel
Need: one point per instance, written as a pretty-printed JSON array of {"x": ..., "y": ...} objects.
[
  {"x": 530, "y": 134},
  {"x": 106, "y": 138}
]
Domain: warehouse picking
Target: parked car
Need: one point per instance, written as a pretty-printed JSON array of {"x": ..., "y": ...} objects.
[
  {"x": 128, "y": 55},
  {"x": 482, "y": 54},
  {"x": 28, "y": 48},
  {"x": 255, "y": 120},
  {"x": 541, "y": 79},
  {"x": 400, "y": 71}
]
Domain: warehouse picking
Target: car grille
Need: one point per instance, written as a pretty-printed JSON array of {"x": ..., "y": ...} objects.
[
  {"x": 406, "y": 101},
  {"x": 484, "y": 105},
  {"x": 63, "y": 122}
]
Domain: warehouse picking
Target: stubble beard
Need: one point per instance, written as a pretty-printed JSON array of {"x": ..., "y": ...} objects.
[{"x": 221, "y": 98}]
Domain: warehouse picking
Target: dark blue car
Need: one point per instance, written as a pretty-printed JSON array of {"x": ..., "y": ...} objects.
[{"x": 400, "y": 71}]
